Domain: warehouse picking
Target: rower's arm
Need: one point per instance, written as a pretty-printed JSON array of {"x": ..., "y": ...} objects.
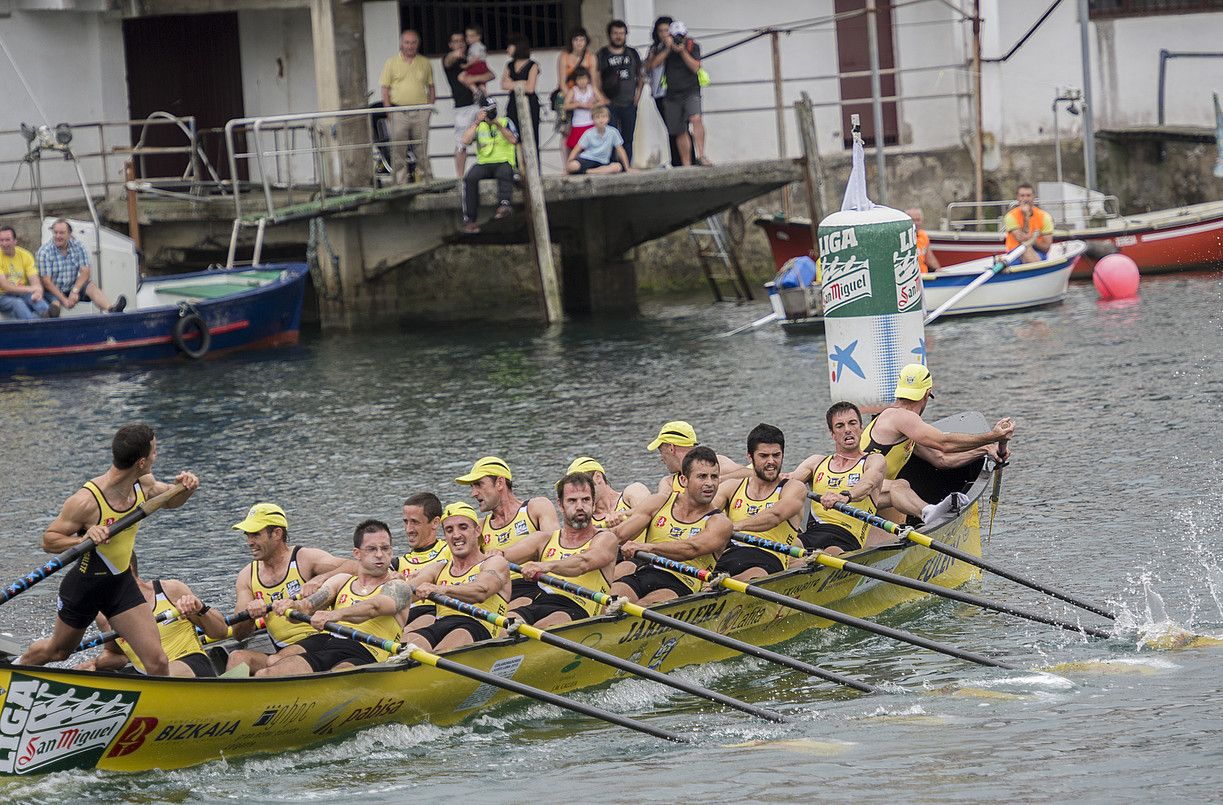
[
  {"x": 789, "y": 504},
  {"x": 315, "y": 583},
  {"x": 636, "y": 522},
  {"x": 922, "y": 433},
  {"x": 78, "y": 511},
  {"x": 243, "y": 597},
  {"x": 153, "y": 488},
  {"x": 190, "y": 606},
  {"x": 112, "y": 658},
  {"x": 493, "y": 577},
  {"x": 726, "y": 490},
  {"x": 803, "y": 472},
  {"x": 603, "y": 550},
  {"x": 543, "y": 514},
  {"x": 634, "y": 493},
  {"x": 712, "y": 539},
  {"x": 396, "y": 597},
  {"x": 872, "y": 478},
  {"x": 664, "y": 484},
  {"x": 527, "y": 548},
  {"x": 731, "y": 470},
  {"x": 323, "y": 597},
  {"x": 945, "y": 461}
]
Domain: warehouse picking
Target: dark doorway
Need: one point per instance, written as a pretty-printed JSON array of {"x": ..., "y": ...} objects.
[
  {"x": 185, "y": 64},
  {"x": 853, "y": 56}
]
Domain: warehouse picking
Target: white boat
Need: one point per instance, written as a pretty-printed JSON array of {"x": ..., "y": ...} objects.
[{"x": 1014, "y": 288}]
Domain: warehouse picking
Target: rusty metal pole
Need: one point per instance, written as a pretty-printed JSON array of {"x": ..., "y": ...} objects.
[
  {"x": 779, "y": 105},
  {"x": 133, "y": 222},
  {"x": 979, "y": 144},
  {"x": 811, "y": 168},
  {"x": 872, "y": 41}
]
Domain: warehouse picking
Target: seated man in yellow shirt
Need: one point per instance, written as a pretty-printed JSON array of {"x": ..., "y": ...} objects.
[
  {"x": 1028, "y": 224},
  {"x": 21, "y": 291}
]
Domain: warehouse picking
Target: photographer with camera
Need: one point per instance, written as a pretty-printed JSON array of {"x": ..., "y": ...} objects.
[
  {"x": 496, "y": 140},
  {"x": 680, "y": 58}
]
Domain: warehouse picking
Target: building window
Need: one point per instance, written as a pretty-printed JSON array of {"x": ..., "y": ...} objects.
[
  {"x": 544, "y": 24},
  {"x": 1108, "y": 9}
]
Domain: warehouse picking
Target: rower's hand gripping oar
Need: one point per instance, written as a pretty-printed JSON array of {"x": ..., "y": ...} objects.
[
  {"x": 903, "y": 532},
  {"x": 62, "y": 560},
  {"x": 164, "y": 617},
  {"x": 535, "y": 633},
  {"x": 819, "y": 611},
  {"x": 428, "y": 658},
  {"x": 638, "y": 611}
]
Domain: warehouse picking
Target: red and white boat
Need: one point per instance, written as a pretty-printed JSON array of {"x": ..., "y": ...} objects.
[{"x": 1165, "y": 240}]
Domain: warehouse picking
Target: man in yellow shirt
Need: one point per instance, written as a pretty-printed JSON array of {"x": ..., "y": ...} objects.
[
  {"x": 1027, "y": 222},
  {"x": 23, "y": 296},
  {"x": 407, "y": 80}
]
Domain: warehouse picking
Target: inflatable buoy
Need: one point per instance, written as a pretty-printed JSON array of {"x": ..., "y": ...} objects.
[
  {"x": 1115, "y": 277},
  {"x": 189, "y": 320}
]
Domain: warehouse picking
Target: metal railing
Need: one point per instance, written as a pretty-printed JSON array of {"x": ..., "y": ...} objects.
[{"x": 980, "y": 217}]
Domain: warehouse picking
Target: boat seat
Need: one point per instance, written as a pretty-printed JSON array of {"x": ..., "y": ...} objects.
[{"x": 210, "y": 290}]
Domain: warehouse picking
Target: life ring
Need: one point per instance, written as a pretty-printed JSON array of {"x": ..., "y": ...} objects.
[{"x": 189, "y": 320}]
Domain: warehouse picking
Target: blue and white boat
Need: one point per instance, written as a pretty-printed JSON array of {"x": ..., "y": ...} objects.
[{"x": 1016, "y": 287}]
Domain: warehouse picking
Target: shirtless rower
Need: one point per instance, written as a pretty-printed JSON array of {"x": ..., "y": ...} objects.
[
  {"x": 673, "y": 442},
  {"x": 277, "y": 570},
  {"x": 683, "y": 525},
  {"x": 579, "y": 550},
  {"x": 374, "y": 600},
  {"x": 749, "y": 504},
  {"x": 468, "y": 575},
  {"x": 899, "y": 431},
  {"x": 611, "y": 506},
  {"x": 101, "y": 580},
  {"x": 508, "y": 519},
  {"x": 178, "y": 636}
]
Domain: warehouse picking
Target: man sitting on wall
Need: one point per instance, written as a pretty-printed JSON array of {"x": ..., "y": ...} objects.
[{"x": 496, "y": 141}]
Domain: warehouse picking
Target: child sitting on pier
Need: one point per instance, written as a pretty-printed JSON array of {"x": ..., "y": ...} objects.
[{"x": 593, "y": 151}]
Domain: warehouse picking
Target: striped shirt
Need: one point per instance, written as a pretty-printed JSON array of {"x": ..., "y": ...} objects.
[{"x": 60, "y": 267}]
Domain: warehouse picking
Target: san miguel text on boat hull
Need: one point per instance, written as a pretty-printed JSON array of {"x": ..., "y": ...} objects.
[
  {"x": 1014, "y": 288},
  {"x": 242, "y": 309},
  {"x": 52, "y": 720},
  {"x": 1179, "y": 239}
]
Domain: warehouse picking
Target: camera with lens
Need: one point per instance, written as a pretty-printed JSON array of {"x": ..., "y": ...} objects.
[{"x": 678, "y": 38}]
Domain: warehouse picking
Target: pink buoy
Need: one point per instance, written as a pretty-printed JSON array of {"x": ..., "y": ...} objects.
[{"x": 1115, "y": 277}]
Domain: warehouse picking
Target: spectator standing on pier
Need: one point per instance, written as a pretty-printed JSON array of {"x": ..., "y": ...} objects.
[
  {"x": 575, "y": 55},
  {"x": 521, "y": 67},
  {"x": 620, "y": 78},
  {"x": 681, "y": 62},
  {"x": 465, "y": 108},
  {"x": 407, "y": 80},
  {"x": 594, "y": 149},
  {"x": 63, "y": 265},
  {"x": 580, "y": 101},
  {"x": 23, "y": 296},
  {"x": 496, "y": 142}
]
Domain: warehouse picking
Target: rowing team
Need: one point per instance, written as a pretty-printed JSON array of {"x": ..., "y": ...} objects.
[{"x": 494, "y": 558}]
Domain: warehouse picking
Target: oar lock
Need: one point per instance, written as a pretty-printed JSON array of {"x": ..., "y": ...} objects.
[{"x": 715, "y": 582}]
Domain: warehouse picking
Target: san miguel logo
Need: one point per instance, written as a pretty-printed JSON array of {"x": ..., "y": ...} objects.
[
  {"x": 845, "y": 280},
  {"x": 48, "y": 726}
]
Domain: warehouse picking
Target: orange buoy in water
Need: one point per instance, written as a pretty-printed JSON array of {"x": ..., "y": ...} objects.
[{"x": 1115, "y": 277}]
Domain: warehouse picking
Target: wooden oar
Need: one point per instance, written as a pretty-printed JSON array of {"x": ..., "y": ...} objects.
[
  {"x": 1000, "y": 263},
  {"x": 61, "y": 560},
  {"x": 527, "y": 630},
  {"x": 837, "y": 563},
  {"x": 427, "y": 658},
  {"x": 997, "y": 490},
  {"x": 821, "y": 612},
  {"x": 903, "y": 532},
  {"x": 638, "y": 611}
]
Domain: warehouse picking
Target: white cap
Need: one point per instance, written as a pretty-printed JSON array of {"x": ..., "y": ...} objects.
[{"x": 677, "y": 28}]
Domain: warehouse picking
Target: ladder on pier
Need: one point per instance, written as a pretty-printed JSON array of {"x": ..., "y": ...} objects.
[{"x": 719, "y": 261}]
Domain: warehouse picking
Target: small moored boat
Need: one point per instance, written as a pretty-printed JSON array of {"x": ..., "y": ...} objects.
[{"x": 1016, "y": 287}]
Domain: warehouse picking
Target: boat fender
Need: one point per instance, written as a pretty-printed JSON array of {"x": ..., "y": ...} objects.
[
  {"x": 189, "y": 319},
  {"x": 1100, "y": 248}
]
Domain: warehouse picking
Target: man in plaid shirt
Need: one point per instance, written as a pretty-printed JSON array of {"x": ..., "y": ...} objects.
[{"x": 63, "y": 264}]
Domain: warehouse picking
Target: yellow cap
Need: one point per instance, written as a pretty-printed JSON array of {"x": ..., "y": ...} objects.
[
  {"x": 914, "y": 382},
  {"x": 677, "y": 432},
  {"x": 489, "y": 465},
  {"x": 261, "y": 516},
  {"x": 585, "y": 464},
  {"x": 460, "y": 509}
]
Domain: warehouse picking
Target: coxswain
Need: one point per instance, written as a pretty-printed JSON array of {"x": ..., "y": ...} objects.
[
  {"x": 277, "y": 571},
  {"x": 469, "y": 575},
  {"x": 579, "y": 550},
  {"x": 179, "y": 638},
  {"x": 507, "y": 518},
  {"x": 611, "y": 506},
  {"x": 1028, "y": 224},
  {"x": 673, "y": 442},
  {"x": 848, "y": 475},
  {"x": 926, "y": 260},
  {"x": 899, "y": 431},
  {"x": 101, "y": 580},
  {"x": 750, "y": 503},
  {"x": 374, "y": 600},
  {"x": 683, "y": 525}
]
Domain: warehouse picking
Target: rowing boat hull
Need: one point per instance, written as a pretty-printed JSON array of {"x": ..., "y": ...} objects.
[
  {"x": 52, "y": 719},
  {"x": 1016, "y": 287}
]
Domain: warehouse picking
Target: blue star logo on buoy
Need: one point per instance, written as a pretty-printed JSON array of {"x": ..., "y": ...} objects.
[
  {"x": 920, "y": 351},
  {"x": 844, "y": 356}
]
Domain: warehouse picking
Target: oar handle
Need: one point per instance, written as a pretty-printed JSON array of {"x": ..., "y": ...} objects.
[
  {"x": 62, "y": 560},
  {"x": 770, "y": 545},
  {"x": 163, "y": 617},
  {"x": 471, "y": 609},
  {"x": 864, "y": 516},
  {"x": 568, "y": 586},
  {"x": 672, "y": 564},
  {"x": 349, "y": 632}
]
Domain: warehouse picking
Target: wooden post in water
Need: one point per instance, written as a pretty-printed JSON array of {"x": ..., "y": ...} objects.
[
  {"x": 537, "y": 211},
  {"x": 812, "y": 170},
  {"x": 779, "y": 104}
]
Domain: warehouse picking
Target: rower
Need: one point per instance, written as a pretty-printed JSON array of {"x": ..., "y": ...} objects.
[
  {"x": 673, "y": 442},
  {"x": 579, "y": 550},
  {"x": 422, "y": 521},
  {"x": 277, "y": 571},
  {"x": 1026, "y": 220},
  {"x": 468, "y": 575},
  {"x": 101, "y": 580},
  {"x": 508, "y": 519},
  {"x": 178, "y": 635},
  {"x": 611, "y": 506},
  {"x": 375, "y": 600},
  {"x": 750, "y": 504},
  {"x": 899, "y": 431},
  {"x": 848, "y": 475},
  {"x": 683, "y": 525}
]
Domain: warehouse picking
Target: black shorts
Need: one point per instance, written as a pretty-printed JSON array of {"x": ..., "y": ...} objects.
[
  {"x": 828, "y": 535},
  {"x": 420, "y": 610},
  {"x": 450, "y": 623},
  {"x": 548, "y": 603},
  {"x": 648, "y": 578},
  {"x": 82, "y": 597},
  {"x": 326, "y": 651},
  {"x": 738, "y": 558},
  {"x": 199, "y": 663},
  {"x": 524, "y": 588}
]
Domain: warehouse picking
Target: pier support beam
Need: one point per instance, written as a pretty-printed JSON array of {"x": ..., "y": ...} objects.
[
  {"x": 338, "y": 30},
  {"x": 597, "y": 280}
]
